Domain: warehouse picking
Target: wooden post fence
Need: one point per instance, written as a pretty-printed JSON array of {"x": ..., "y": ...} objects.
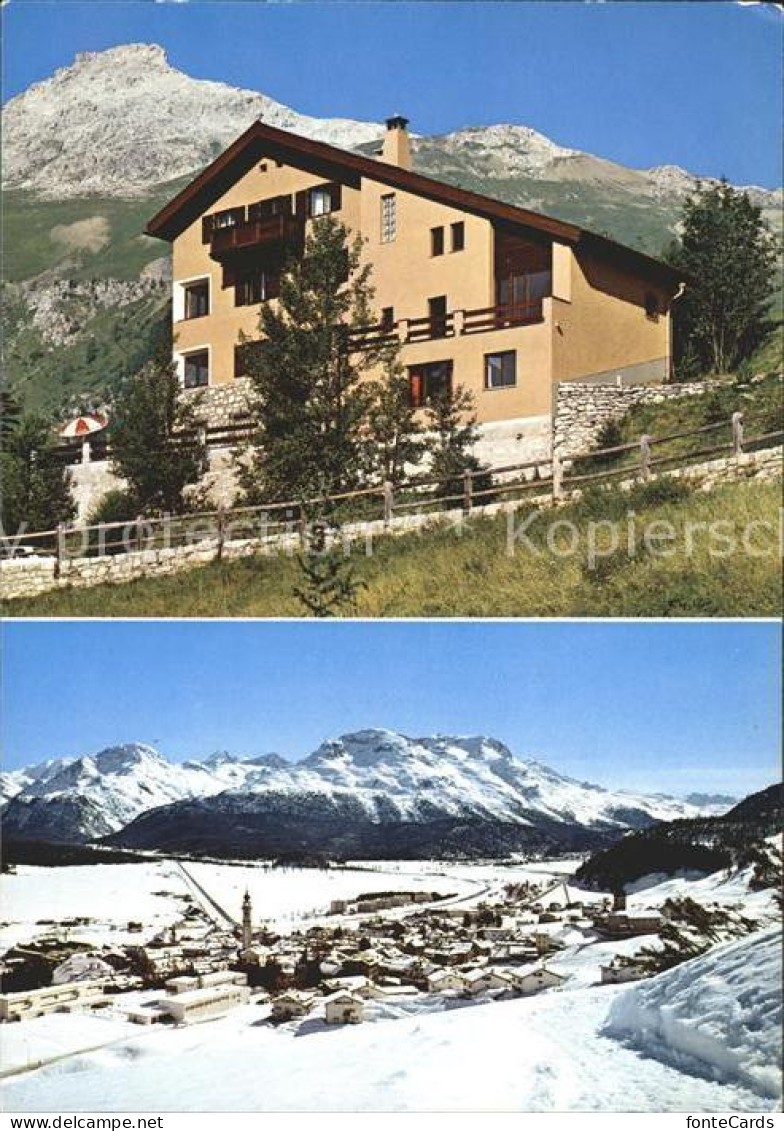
[
  {"x": 468, "y": 492},
  {"x": 557, "y": 477},
  {"x": 389, "y": 502},
  {"x": 737, "y": 433},
  {"x": 645, "y": 456}
]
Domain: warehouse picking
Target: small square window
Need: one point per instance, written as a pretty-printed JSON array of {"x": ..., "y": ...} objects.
[
  {"x": 458, "y": 236},
  {"x": 436, "y": 241},
  {"x": 500, "y": 370},
  {"x": 196, "y": 369}
]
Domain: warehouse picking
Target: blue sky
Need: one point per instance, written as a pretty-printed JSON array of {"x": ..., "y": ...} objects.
[
  {"x": 668, "y": 707},
  {"x": 694, "y": 84}
]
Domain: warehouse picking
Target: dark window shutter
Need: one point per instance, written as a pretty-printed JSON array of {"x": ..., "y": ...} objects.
[
  {"x": 335, "y": 192},
  {"x": 302, "y": 204},
  {"x": 206, "y": 229}
]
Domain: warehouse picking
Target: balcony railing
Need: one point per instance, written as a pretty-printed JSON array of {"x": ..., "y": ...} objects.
[
  {"x": 453, "y": 324},
  {"x": 254, "y": 233},
  {"x": 501, "y": 317}
]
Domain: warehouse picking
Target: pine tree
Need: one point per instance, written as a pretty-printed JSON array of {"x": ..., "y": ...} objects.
[
  {"x": 395, "y": 434},
  {"x": 155, "y": 439},
  {"x": 329, "y": 584},
  {"x": 728, "y": 254},
  {"x": 310, "y": 400},
  {"x": 36, "y": 494},
  {"x": 452, "y": 421}
]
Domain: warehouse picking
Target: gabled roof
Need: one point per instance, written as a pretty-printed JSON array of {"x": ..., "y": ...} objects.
[{"x": 260, "y": 141}]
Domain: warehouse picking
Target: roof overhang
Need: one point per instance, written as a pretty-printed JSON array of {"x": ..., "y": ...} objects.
[{"x": 261, "y": 141}]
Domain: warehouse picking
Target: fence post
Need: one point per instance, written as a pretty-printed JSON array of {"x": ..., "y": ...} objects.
[
  {"x": 389, "y": 502},
  {"x": 220, "y": 520},
  {"x": 60, "y": 557},
  {"x": 303, "y": 530},
  {"x": 139, "y": 523},
  {"x": 557, "y": 477},
  {"x": 468, "y": 491},
  {"x": 645, "y": 456},
  {"x": 737, "y": 433}
]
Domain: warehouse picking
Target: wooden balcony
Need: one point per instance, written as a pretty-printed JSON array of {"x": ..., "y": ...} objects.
[
  {"x": 254, "y": 234},
  {"x": 454, "y": 324}
]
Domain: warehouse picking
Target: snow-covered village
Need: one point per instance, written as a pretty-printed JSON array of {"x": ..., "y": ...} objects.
[{"x": 505, "y": 984}]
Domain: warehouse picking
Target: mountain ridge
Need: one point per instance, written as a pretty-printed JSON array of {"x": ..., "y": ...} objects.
[
  {"x": 93, "y": 151},
  {"x": 377, "y": 781}
]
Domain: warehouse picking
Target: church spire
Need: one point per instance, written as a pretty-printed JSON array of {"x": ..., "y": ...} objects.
[{"x": 247, "y": 921}]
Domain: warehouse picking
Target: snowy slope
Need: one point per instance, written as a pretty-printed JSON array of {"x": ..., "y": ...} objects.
[
  {"x": 546, "y": 1053},
  {"x": 722, "y": 1011},
  {"x": 377, "y": 777}
]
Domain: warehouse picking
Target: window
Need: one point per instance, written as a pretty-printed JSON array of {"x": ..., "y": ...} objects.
[
  {"x": 500, "y": 370},
  {"x": 652, "y": 309},
  {"x": 257, "y": 287},
  {"x": 388, "y": 318},
  {"x": 388, "y": 218},
  {"x": 520, "y": 290},
  {"x": 323, "y": 200},
  {"x": 230, "y": 218},
  {"x": 197, "y": 299},
  {"x": 436, "y": 311},
  {"x": 320, "y": 202},
  {"x": 275, "y": 206},
  {"x": 458, "y": 236},
  {"x": 245, "y": 356},
  {"x": 436, "y": 241},
  {"x": 196, "y": 369},
  {"x": 429, "y": 381}
]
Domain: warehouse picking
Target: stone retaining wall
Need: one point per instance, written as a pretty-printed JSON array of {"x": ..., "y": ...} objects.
[
  {"x": 29, "y": 577},
  {"x": 222, "y": 405},
  {"x": 582, "y": 409}
]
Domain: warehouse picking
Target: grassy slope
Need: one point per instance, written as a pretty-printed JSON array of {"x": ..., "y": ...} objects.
[
  {"x": 119, "y": 341},
  {"x": 446, "y": 574},
  {"x": 30, "y": 249}
]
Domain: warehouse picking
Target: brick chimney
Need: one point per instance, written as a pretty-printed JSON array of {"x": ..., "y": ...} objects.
[{"x": 397, "y": 150}]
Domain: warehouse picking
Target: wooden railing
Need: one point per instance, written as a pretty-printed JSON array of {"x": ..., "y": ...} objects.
[
  {"x": 253, "y": 232},
  {"x": 548, "y": 479},
  {"x": 453, "y": 324}
]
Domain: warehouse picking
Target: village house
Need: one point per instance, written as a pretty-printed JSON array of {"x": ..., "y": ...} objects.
[
  {"x": 212, "y": 999},
  {"x": 344, "y": 1008},
  {"x": 291, "y": 1004},
  {"x": 626, "y": 970},
  {"x": 501, "y": 300},
  {"x": 532, "y": 981}
]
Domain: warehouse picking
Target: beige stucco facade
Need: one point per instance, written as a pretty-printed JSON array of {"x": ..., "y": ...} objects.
[{"x": 594, "y": 321}]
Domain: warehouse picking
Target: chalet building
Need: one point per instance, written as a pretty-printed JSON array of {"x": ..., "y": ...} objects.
[
  {"x": 344, "y": 1008},
  {"x": 501, "y": 300}
]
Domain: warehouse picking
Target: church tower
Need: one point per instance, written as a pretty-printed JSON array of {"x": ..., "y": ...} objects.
[{"x": 247, "y": 922}]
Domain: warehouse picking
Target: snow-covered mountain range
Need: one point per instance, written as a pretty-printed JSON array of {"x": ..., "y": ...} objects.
[{"x": 361, "y": 785}]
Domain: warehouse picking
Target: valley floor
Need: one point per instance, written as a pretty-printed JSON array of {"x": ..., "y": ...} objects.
[{"x": 580, "y": 1047}]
